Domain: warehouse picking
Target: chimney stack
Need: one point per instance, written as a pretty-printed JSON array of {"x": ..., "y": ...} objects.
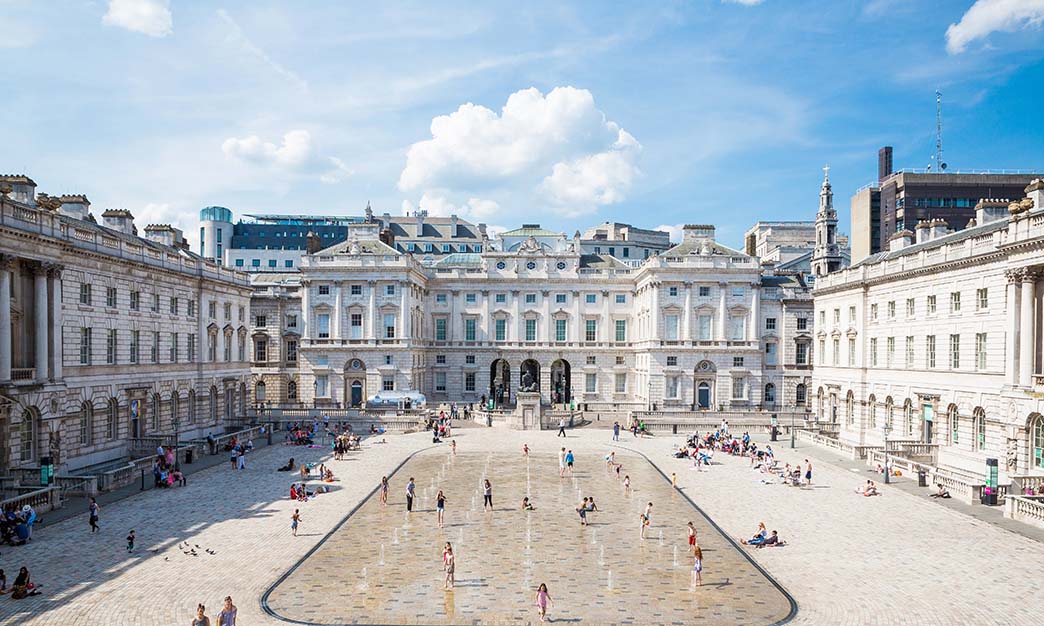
[
  {"x": 900, "y": 240},
  {"x": 453, "y": 226},
  {"x": 22, "y": 188},
  {"x": 313, "y": 243},
  {"x": 76, "y": 206},
  {"x": 884, "y": 163},
  {"x": 1035, "y": 192},
  {"x": 120, "y": 220}
]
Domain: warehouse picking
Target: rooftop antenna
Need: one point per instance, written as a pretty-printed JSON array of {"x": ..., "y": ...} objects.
[{"x": 938, "y": 131}]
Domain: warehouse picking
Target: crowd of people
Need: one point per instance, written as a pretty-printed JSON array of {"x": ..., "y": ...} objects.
[
  {"x": 165, "y": 471},
  {"x": 16, "y": 525}
]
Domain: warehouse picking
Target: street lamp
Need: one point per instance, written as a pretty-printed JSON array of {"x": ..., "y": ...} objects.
[
  {"x": 177, "y": 442},
  {"x": 792, "y": 430},
  {"x": 887, "y": 427}
]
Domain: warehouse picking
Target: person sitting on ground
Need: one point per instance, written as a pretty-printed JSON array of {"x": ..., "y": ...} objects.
[
  {"x": 758, "y": 538},
  {"x": 249, "y": 445},
  {"x": 293, "y": 491},
  {"x": 591, "y": 505},
  {"x": 177, "y": 476},
  {"x": 942, "y": 493},
  {"x": 23, "y": 587},
  {"x": 526, "y": 504},
  {"x": 773, "y": 541},
  {"x": 289, "y": 467},
  {"x": 328, "y": 476}
]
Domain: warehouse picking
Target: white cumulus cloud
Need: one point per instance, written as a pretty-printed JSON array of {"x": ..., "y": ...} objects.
[
  {"x": 296, "y": 153},
  {"x": 559, "y": 147},
  {"x": 439, "y": 205},
  {"x": 675, "y": 230},
  {"x": 989, "y": 16},
  {"x": 149, "y": 17}
]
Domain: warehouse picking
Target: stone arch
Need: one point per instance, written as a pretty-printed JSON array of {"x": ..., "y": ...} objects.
[
  {"x": 978, "y": 428},
  {"x": 850, "y": 408},
  {"x": 953, "y": 424},
  {"x": 908, "y": 425},
  {"x": 28, "y": 434},
  {"x": 1035, "y": 430},
  {"x": 871, "y": 410}
]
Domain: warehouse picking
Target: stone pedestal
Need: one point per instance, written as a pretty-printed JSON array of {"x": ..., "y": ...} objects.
[{"x": 528, "y": 410}]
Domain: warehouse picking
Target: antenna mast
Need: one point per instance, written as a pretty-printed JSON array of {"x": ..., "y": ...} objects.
[{"x": 938, "y": 131}]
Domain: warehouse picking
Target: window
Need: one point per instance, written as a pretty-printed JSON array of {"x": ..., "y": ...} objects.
[
  {"x": 590, "y": 330},
  {"x": 471, "y": 298},
  {"x": 440, "y": 382},
  {"x": 155, "y": 303},
  {"x": 389, "y": 290},
  {"x": 291, "y": 351},
  {"x": 290, "y": 263},
  {"x": 770, "y": 323},
  {"x": 322, "y": 386},
  {"x": 261, "y": 350},
  {"x": 955, "y": 351},
  {"x": 837, "y": 316},
  {"x": 440, "y": 329},
  {"x": 135, "y": 335},
  {"x": 704, "y": 292},
  {"x": 873, "y": 312},
  {"x": 837, "y": 351},
  {"x": 851, "y": 352},
  {"x": 670, "y": 326},
  {"x": 173, "y": 351},
  {"x": 322, "y": 322},
  {"x": 822, "y": 351},
  {"x": 469, "y": 359},
  {"x": 954, "y": 420},
  {"x": 703, "y": 327},
  {"x": 591, "y": 298},
  {"x": 324, "y": 290},
  {"x": 802, "y": 323},
  {"x": 738, "y": 387},
  {"x": 591, "y": 359},
  {"x": 590, "y": 382},
  {"x": 110, "y": 297},
  {"x": 389, "y": 359},
  {"x": 891, "y": 309},
  {"x": 85, "y": 346},
  {"x": 1037, "y": 443},
  {"x": 800, "y": 395},
  {"x": 770, "y": 354},
  {"x": 980, "y": 351},
  {"x": 621, "y": 298},
  {"x": 851, "y": 315},
  {"x": 672, "y": 386},
  {"x": 173, "y": 306},
  {"x": 620, "y": 382},
  {"x": 739, "y": 327},
  {"x": 737, "y": 361},
  {"x": 929, "y": 349},
  {"x": 242, "y": 347},
  {"x": 619, "y": 360},
  {"x": 672, "y": 291},
  {"x": 560, "y": 298},
  {"x": 910, "y": 307},
  {"x": 389, "y": 328},
  {"x": 560, "y": 330},
  {"x": 388, "y": 384},
  {"x": 873, "y": 352},
  {"x": 86, "y": 423},
  {"x": 531, "y": 330},
  {"x": 890, "y": 358},
  {"x": 469, "y": 382},
  {"x": 192, "y": 348},
  {"x": 135, "y": 300},
  {"x": 239, "y": 262},
  {"x": 500, "y": 298},
  {"x": 738, "y": 292},
  {"x": 770, "y": 393},
  {"x": 909, "y": 351},
  {"x": 469, "y": 329},
  {"x": 440, "y": 298},
  {"x": 291, "y": 320},
  {"x": 154, "y": 351},
  {"x": 672, "y": 361},
  {"x": 801, "y": 354},
  {"x": 621, "y": 330},
  {"x": 110, "y": 347},
  {"x": 500, "y": 329},
  {"x": 191, "y": 308},
  {"x": 982, "y": 299},
  {"x": 112, "y": 415},
  {"x": 260, "y": 321},
  {"x": 530, "y": 298},
  {"x": 931, "y": 305},
  {"x": 979, "y": 428},
  {"x": 212, "y": 347},
  {"x": 242, "y": 313},
  {"x": 822, "y": 318},
  {"x": 440, "y": 359},
  {"x": 955, "y": 302},
  {"x": 291, "y": 390}
]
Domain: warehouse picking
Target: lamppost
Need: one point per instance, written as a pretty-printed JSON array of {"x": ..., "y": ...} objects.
[
  {"x": 792, "y": 430},
  {"x": 887, "y": 428},
  {"x": 177, "y": 442}
]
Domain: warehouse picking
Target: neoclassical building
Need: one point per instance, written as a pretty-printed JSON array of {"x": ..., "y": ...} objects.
[
  {"x": 938, "y": 340},
  {"x": 698, "y": 326},
  {"x": 106, "y": 336}
]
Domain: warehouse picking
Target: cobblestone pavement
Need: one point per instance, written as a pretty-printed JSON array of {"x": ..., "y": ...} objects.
[
  {"x": 383, "y": 566},
  {"x": 895, "y": 559}
]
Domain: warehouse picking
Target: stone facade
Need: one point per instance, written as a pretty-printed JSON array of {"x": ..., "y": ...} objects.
[
  {"x": 940, "y": 341},
  {"x": 106, "y": 336}
]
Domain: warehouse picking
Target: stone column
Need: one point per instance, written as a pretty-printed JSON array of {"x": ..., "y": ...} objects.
[
  {"x": 490, "y": 325},
  {"x": 1027, "y": 323},
  {"x": 338, "y": 309},
  {"x": 404, "y": 311},
  {"x": 40, "y": 302},
  {"x": 57, "y": 350},
  {"x": 687, "y": 320},
  {"x": 6, "y": 264},
  {"x": 306, "y": 311},
  {"x": 723, "y": 316},
  {"x": 371, "y": 333},
  {"x": 608, "y": 334},
  {"x": 654, "y": 313},
  {"x": 754, "y": 332},
  {"x": 1011, "y": 346},
  {"x": 578, "y": 323},
  {"x": 548, "y": 322},
  {"x": 516, "y": 326}
]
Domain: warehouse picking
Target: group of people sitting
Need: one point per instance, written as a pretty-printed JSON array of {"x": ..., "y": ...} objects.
[
  {"x": 343, "y": 443},
  {"x": 23, "y": 587},
  {"x": 299, "y": 491},
  {"x": 870, "y": 489},
  {"x": 16, "y": 525},
  {"x": 164, "y": 472},
  {"x": 762, "y": 539}
]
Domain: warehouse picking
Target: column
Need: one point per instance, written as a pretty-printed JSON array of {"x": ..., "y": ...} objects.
[
  {"x": 723, "y": 317},
  {"x": 57, "y": 349},
  {"x": 578, "y": 330},
  {"x": 516, "y": 326},
  {"x": 371, "y": 333},
  {"x": 687, "y": 320},
  {"x": 451, "y": 323},
  {"x": 754, "y": 331},
  {"x": 1011, "y": 346},
  {"x": 654, "y": 313},
  {"x": 201, "y": 330},
  {"x": 608, "y": 333},
  {"x": 404, "y": 311},
  {"x": 549, "y": 334},
  {"x": 40, "y": 302},
  {"x": 487, "y": 321},
  {"x": 6, "y": 263},
  {"x": 1026, "y": 324},
  {"x": 338, "y": 309},
  {"x": 306, "y": 310}
]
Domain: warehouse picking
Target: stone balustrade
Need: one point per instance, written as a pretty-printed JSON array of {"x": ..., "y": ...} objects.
[{"x": 1027, "y": 509}]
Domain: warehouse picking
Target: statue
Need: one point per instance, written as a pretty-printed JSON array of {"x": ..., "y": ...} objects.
[
  {"x": 54, "y": 442},
  {"x": 354, "y": 247},
  {"x": 1012, "y": 456},
  {"x": 529, "y": 382},
  {"x": 530, "y": 246}
]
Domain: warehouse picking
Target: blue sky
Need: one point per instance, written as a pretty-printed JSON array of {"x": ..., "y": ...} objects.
[{"x": 567, "y": 114}]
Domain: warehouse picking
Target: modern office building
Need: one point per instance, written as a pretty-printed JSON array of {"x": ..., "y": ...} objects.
[{"x": 900, "y": 199}]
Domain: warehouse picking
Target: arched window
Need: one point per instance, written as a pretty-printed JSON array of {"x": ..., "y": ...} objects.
[
  {"x": 291, "y": 390},
  {"x": 112, "y": 416},
  {"x": 800, "y": 395},
  {"x": 908, "y": 425},
  {"x": 850, "y": 408},
  {"x": 889, "y": 413},
  {"x": 154, "y": 418},
  {"x": 871, "y": 407},
  {"x": 770, "y": 393},
  {"x": 953, "y": 421},
  {"x": 819, "y": 403},
  {"x": 27, "y": 434},
  {"x": 213, "y": 404},
  {"x": 979, "y": 428},
  {"x": 259, "y": 391},
  {"x": 191, "y": 413},
  {"x": 1037, "y": 442},
  {"x": 86, "y": 423}
]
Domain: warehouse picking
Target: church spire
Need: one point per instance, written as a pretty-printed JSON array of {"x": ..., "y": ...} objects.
[{"x": 826, "y": 256}]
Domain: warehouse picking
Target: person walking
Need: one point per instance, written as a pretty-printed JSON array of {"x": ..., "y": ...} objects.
[
  {"x": 561, "y": 427},
  {"x": 383, "y": 497},
  {"x": 201, "y": 618},
  {"x": 561, "y": 462},
  {"x": 692, "y": 537},
  {"x": 582, "y": 511},
  {"x": 130, "y": 541},
  {"x": 525, "y": 449},
  {"x": 643, "y": 519},
  {"x": 487, "y": 496},
  {"x": 241, "y": 459},
  {"x": 808, "y": 472},
  {"x": 92, "y": 511},
  {"x": 569, "y": 462},
  {"x": 295, "y": 519},
  {"x": 411, "y": 488},
  {"x": 697, "y": 566},
  {"x": 542, "y": 600},
  {"x": 616, "y": 431},
  {"x": 440, "y": 506},
  {"x": 227, "y": 616},
  {"x": 449, "y": 563}
]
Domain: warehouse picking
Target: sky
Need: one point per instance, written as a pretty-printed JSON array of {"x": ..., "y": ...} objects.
[{"x": 559, "y": 113}]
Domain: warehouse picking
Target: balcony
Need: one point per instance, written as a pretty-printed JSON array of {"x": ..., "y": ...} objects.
[{"x": 23, "y": 375}]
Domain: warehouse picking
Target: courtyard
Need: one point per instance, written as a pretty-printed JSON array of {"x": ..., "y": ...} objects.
[{"x": 896, "y": 559}]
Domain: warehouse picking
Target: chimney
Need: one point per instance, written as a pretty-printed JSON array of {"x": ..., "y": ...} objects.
[
  {"x": 453, "y": 226},
  {"x": 482, "y": 230},
  {"x": 76, "y": 206},
  {"x": 937, "y": 228},
  {"x": 313, "y": 243},
  {"x": 22, "y": 188},
  {"x": 884, "y": 163},
  {"x": 900, "y": 240},
  {"x": 387, "y": 237},
  {"x": 1035, "y": 192},
  {"x": 697, "y": 232},
  {"x": 923, "y": 229},
  {"x": 990, "y": 210},
  {"x": 166, "y": 235},
  {"x": 120, "y": 220}
]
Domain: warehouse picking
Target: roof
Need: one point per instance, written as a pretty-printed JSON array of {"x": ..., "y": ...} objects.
[
  {"x": 693, "y": 246},
  {"x": 274, "y": 278},
  {"x": 602, "y": 261},
  {"x": 435, "y": 228},
  {"x": 784, "y": 280},
  {"x": 460, "y": 259},
  {"x": 366, "y": 246},
  {"x": 967, "y": 233},
  {"x": 531, "y": 231}
]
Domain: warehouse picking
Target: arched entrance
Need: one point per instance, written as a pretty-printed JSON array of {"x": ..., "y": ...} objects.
[
  {"x": 703, "y": 385},
  {"x": 355, "y": 383},
  {"x": 703, "y": 395},
  {"x": 561, "y": 387},
  {"x": 529, "y": 376},
  {"x": 500, "y": 383},
  {"x": 356, "y": 397}
]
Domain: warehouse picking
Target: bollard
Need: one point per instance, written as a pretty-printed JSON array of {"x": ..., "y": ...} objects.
[{"x": 143, "y": 480}]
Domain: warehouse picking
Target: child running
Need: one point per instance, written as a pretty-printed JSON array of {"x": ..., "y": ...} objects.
[
  {"x": 440, "y": 506},
  {"x": 130, "y": 541},
  {"x": 582, "y": 510},
  {"x": 542, "y": 598},
  {"x": 295, "y": 519},
  {"x": 692, "y": 536},
  {"x": 448, "y": 565},
  {"x": 383, "y": 498},
  {"x": 697, "y": 567},
  {"x": 644, "y": 521}
]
